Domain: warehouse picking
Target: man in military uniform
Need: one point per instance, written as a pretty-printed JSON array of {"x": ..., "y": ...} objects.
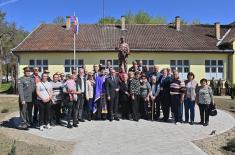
[
  {"x": 26, "y": 87},
  {"x": 213, "y": 85}
]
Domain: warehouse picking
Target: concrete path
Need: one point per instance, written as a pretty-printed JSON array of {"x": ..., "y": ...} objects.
[{"x": 138, "y": 138}]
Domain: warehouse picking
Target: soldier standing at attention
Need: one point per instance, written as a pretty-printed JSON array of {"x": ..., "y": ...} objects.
[
  {"x": 213, "y": 85},
  {"x": 26, "y": 87},
  {"x": 219, "y": 87}
]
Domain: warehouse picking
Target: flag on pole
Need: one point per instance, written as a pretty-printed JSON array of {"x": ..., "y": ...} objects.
[{"x": 76, "y": 24}]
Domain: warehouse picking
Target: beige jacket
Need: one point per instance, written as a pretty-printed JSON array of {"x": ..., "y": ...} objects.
[{"x": 89, "y": 90}]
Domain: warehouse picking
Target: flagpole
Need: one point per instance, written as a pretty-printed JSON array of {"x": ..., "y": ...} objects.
[{"x": 74, "y": 50}]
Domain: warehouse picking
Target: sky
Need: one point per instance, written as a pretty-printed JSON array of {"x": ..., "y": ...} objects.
[{"x": 30, "y": 13}]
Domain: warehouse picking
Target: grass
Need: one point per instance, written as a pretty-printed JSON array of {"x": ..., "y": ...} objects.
[
  {"x": 228, "y": 105},
  {"x": 225, "y": 104},
  {"x": 5, "y": 87},
  {"x": 8, "y": 105}
]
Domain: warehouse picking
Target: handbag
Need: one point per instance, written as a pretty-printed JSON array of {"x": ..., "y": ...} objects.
[{"x": 212, "y": 110}]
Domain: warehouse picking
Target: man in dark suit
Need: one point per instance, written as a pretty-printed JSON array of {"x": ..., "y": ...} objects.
[
  {"x": 81, "y": 82},
  {"x": 164, "y": 82},
  {"x": 36, "y": 79},
  {"x": 125, "y": 97},
  {"x": 112, "y": 92}
]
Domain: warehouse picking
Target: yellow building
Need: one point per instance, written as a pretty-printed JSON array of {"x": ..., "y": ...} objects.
[{"x": 206, "y": 50}]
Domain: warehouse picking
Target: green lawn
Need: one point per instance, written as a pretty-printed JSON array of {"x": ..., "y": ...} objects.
[{"x": 4, "y": 87}]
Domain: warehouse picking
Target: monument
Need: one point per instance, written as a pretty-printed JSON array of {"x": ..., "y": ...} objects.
[{"x": 123, "y": 52}]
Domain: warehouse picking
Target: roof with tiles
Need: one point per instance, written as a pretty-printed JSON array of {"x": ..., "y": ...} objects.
[{"x": 95, "y": 37}]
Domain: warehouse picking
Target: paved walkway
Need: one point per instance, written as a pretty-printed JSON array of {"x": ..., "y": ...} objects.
[{"x": 138, "y": 138}]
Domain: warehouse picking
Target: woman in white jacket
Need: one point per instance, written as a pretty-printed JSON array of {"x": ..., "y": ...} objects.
[{"x": 90, "y": 83}]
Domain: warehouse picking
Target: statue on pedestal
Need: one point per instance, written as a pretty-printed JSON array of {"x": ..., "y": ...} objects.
[{"x": 123, "y": 52}]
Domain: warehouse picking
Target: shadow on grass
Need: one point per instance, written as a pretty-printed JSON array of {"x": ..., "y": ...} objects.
[
  {"x": 230, "y": 146},
  {"x": 10, "y": 90}
]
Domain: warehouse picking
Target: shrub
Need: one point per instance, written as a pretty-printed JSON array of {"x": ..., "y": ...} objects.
[
  {"x": 230, "y": 146},
  {"x": 233, "y": 93}
]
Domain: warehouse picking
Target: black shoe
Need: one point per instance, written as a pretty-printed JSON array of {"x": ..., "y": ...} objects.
[
  {"x": 75, "y": 125},
  {"x": 116, "y": 119},
  {"x": 205, "y": 124},
  {"x": 69, "y": 126},
  {"x": 191, "y": 123},
  {"x": 110, "y": 119},
  {"x": 81, "y": 120},
  {"x": 165, "y": 119}
]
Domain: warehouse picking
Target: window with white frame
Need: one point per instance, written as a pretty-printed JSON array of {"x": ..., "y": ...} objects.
[
  {"x": 114, "y": 63},
  {"x": 69, "y": 65},
  {"x": 42, "y": 64},
  {"x": 147, "y": 62},
  {"x": 182, "y": 66},
  {"x": 214, "y": 68}
]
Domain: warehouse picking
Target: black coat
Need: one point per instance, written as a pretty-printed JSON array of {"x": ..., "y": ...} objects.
[
  {"x": 123, "y": 88},
  {"x": 79, "y": 82},
  {"x": 111, "y": 85}
]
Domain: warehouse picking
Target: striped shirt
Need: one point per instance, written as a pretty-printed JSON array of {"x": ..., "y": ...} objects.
[
  {"x": 177, "y": 87},
  {"x": 57, "y": 88}
]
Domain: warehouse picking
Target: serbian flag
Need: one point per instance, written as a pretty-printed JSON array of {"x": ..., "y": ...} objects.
[{"x": 76, "y": 24}]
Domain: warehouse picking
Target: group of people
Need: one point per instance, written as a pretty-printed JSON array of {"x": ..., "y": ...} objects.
[
  {"x": 217, "y": 87},
  {"x": 105, "y": 93}
]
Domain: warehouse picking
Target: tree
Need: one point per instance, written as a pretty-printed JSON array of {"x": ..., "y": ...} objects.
[
  {"x": 196, "y": 22},
  {"x": 10, "y": 36},
  {"x": 59, "y": 20},
  {"x": 108, "y": 20},
  {"x": 141, "y": 17}
]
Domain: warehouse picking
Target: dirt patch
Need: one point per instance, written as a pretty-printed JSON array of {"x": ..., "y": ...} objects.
[
  {"x": 216, "y": 145},
  {"x": 30, "y": 144},
  {"x": 13, "y": 141}
]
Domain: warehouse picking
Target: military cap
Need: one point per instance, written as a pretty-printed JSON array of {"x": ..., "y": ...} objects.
[{"x": 26, "y": 69}]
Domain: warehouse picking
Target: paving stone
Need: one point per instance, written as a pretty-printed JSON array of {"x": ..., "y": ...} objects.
[{"x": 138, "y": 138}]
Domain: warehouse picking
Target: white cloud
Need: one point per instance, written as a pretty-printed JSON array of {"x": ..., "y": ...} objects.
[{"x": 5, "y": 2}]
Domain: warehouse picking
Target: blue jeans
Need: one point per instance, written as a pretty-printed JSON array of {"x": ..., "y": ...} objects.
[
  {"x": 189, "y": 106},
  {"x": 177, "y": 107}
]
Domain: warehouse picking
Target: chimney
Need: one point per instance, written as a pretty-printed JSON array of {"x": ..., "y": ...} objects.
[
  {"x": 217, "y": 30},
  {"x": 123, "y": 23},
  {"x": 177, "y": 23},
  {"x": 68, "y": 24}
]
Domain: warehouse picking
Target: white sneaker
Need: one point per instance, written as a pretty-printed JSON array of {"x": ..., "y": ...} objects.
[
  {"x": 48, "y": 126},
  {"x": 41, "y": 128},
  {"x": 177, "y": 123}
]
